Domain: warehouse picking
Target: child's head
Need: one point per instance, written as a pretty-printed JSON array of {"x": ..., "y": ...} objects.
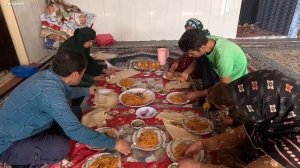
[
  {"x": 86, "y": 36},
  {"x": 67, "y": 61},
  {"x": 219, "y": 96},
  {"x": 192, "y": 42}
]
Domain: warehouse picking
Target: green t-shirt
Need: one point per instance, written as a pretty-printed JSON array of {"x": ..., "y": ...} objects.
[{"x": 227, "y": 59}]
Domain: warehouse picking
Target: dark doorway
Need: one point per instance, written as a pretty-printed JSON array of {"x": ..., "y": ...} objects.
[
  {"x": 8, "y": 56},
  {"x": 249, "y": 9}
]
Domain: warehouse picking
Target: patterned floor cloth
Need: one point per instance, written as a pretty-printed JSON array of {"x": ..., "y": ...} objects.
[
  {"x": 280, "y": 54},
  {"x": 283, "y": 55}
]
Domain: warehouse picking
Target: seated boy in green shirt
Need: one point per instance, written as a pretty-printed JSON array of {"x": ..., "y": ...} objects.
[{"x": 226, "y": 58}]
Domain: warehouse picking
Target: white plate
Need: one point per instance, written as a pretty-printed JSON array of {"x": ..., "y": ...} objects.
[
  {"x": 173, "y": 144},
  {"x": 203, "y": 132},
  {"x": 173, "y": 165},
  {"x": 91, "y": 159},
  {"x": 104, "y": 130},
  {"x": 161, "y": 138},
  {"x": 173, "y": 94},
  {"x": 150, "y": 96},
  {"x": 138, "y": 121},
  {"x": 145, "y": 112},
  {"x": 118, "y": 83}
]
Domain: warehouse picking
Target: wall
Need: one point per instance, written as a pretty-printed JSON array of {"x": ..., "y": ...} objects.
[
  {"x": 127, "y": 20},
  {"x": 143, "y": 20}
]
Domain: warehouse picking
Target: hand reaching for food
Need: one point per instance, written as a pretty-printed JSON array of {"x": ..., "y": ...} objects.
[
  {"x": 206, "y": 106},
  {"x": 174, "y": 66},
  {"x": 185, "y": 75},
  {"x": 123, "y": 147},
  {"x": 190, "y": 96}
]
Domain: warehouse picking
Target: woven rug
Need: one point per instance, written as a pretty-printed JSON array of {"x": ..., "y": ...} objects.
[
  {"x": 286, "y": 60},
  {"x": 280, "y": 54}
]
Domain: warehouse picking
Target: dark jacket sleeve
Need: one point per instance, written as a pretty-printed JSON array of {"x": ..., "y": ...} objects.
[{"x": 93, "y": 68}]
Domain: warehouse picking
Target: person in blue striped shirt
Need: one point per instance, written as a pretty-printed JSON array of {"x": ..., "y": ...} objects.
[{"x": 33, "y": 108}]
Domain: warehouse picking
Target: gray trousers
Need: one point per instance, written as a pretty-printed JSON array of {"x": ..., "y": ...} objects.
[{"x": 39, "y": 149}]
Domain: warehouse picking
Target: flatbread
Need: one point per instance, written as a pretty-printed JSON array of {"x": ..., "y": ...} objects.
[
  {"x": 121, "y": 75},
  {"x": 178, "y": 85},
  {"x": 100, "y": 55}
]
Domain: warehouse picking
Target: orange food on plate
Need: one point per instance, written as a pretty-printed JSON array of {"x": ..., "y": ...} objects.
[
  {"x": 197, "y": 125},
  {"x": 133, "y": 99},
  {"x": 144, "y": 65},
  {"x": 178, "y": 98},
  {"x": 148, "y": 139},
  {"x": 105, "y": 162},
  {"x": 128, "y": 82},
  {"x": 179, "y": 150}
]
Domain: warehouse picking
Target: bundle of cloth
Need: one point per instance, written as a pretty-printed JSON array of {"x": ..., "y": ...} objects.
[{"x": 59, "y": 21}]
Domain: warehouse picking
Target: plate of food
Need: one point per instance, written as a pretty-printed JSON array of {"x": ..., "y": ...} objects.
[
  {"x": 146, "y": 65},
  {"x": 103, "y": 160},
  {"x": 176, "y": 148},
  {"x": 177, "y": 98},
  {"x": 173, "y": 76},
  {"x": 173, "y": 165},
  {"x": 162, "y": 91},
  {"x": 137, "y": 123},
  {"x": 109, "y": 131},
  {"x": 197, "y": 125},
  {"x": 149, "y": 138},
  {"x": 137, "y": 97},
  {"x": 145, "y": 112},
  {"x": 126, "y": 83}
]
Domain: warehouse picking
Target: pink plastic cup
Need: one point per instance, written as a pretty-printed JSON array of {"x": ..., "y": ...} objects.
[{"x": 162, "y": 54}]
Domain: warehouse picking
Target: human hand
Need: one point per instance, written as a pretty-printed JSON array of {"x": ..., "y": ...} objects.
[
  {"x": 188, "y": 163},
  {"x": 123, "y": 147},
  {"x": 185, "y": 75},
  {"x": 191, "y": 96},
  {"x": 92, "y": 90},
  {"x": 227, "y": 120},
  {"x": 206, "y": 106},
  {"x": 174, "y": 66},
  {"x": 192, "y": 149}
]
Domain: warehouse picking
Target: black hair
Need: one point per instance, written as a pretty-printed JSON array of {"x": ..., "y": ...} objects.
[
  {"x": 67, "y": 61},
  {"x": 192, "y": 39}
]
